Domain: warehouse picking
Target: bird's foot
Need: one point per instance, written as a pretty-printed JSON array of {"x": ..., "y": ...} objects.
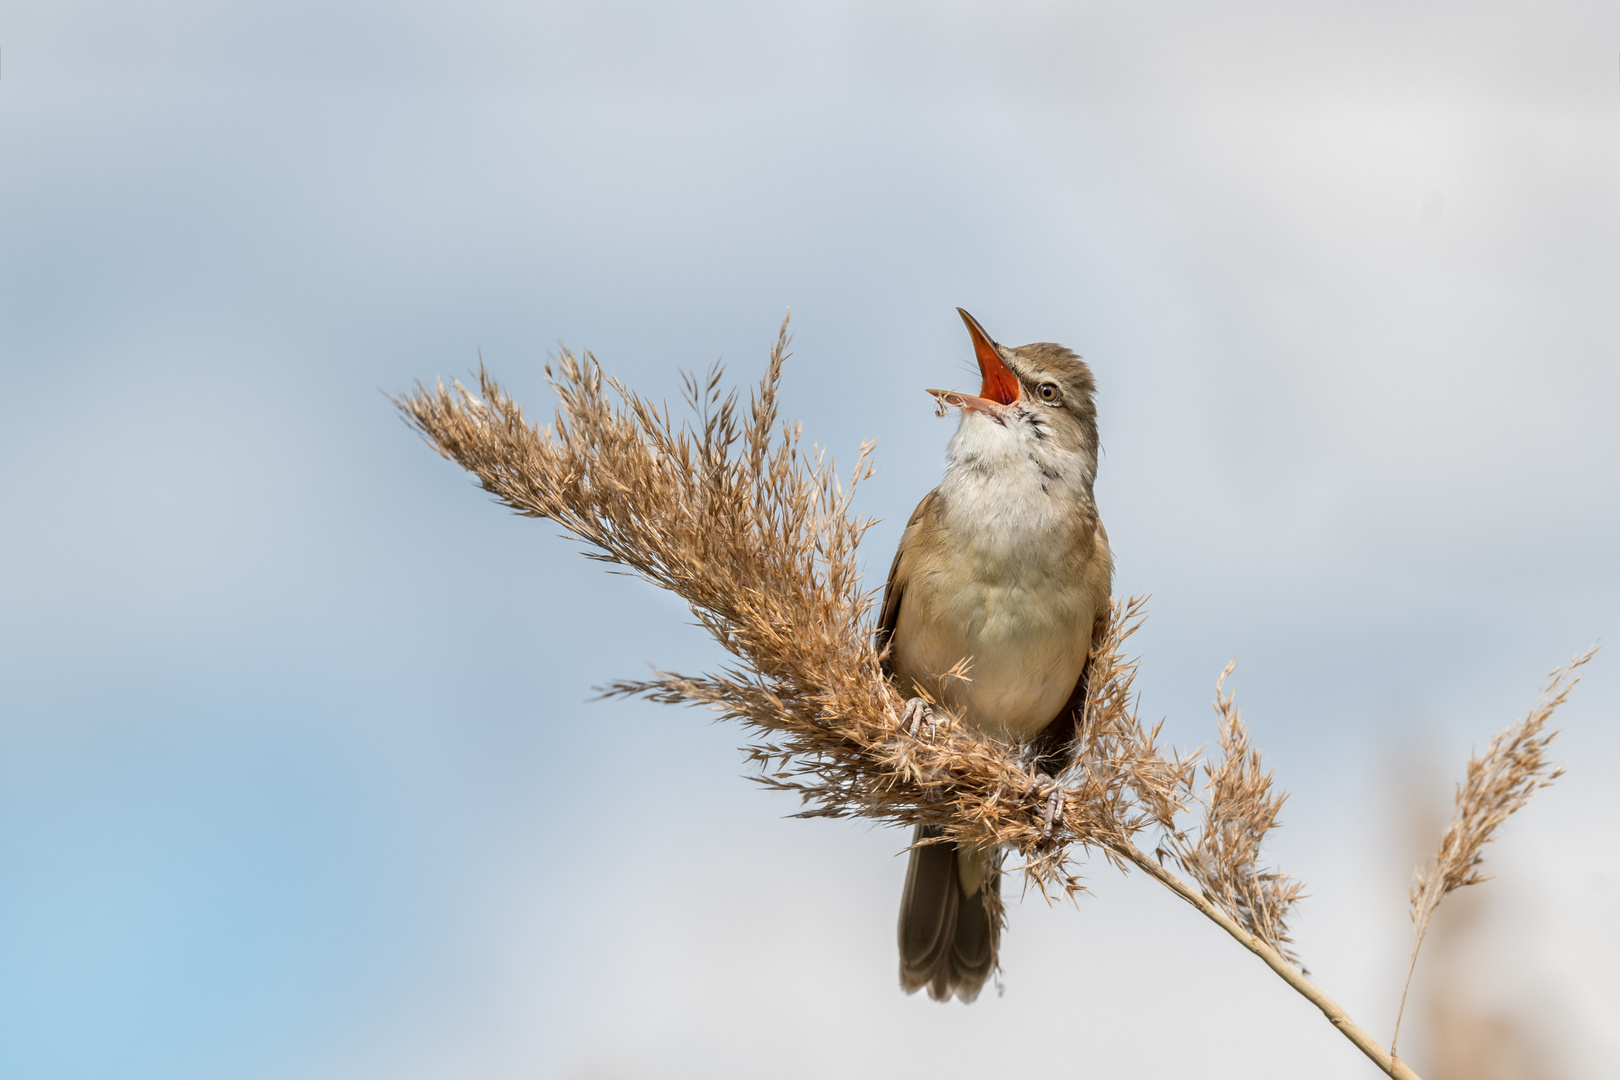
[
  {"x": 917, "y": 718},
  {"x": 1054, "y": 810}
]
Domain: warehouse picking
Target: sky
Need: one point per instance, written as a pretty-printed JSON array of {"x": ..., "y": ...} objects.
[{"x": 300, "y": 771}]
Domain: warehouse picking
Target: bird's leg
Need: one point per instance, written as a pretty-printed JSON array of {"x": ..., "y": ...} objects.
[{"x": 918, "y": 715}]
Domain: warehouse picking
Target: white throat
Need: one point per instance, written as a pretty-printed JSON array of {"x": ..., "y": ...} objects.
[{"x": 1008, "y": 470}]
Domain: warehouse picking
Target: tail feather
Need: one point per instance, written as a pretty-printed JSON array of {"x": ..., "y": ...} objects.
[{"x": 948, "y": 938}]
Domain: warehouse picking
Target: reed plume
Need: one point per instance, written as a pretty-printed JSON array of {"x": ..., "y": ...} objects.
[
  {"x": 730, "y": 511},
  {"x": 1497, "y": 784},
  {"x": 1240, "y": 808}
]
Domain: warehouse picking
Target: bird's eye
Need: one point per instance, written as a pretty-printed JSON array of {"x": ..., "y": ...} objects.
[{"x": 1049, "y": 393}]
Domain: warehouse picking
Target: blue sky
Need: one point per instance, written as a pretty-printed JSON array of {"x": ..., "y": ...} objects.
[{"x": 299, "y": 774}]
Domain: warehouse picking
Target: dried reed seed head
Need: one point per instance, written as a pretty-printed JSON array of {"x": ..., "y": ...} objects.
[
  {"x": 1240, "y": 809},
  {"x": 1496, "y": 785},
  {"x": 733, "y": 514}
]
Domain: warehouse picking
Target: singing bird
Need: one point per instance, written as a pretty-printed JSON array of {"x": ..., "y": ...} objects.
[{"x": 1004, "y": 565}]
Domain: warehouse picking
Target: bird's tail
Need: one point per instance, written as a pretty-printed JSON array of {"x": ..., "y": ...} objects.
[{"x": 950, "y": 918}]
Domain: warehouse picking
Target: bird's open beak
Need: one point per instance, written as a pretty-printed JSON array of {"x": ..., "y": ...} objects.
[{"x": 1000, "y": 384}]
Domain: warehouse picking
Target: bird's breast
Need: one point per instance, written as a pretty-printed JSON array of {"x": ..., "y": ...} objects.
[{"x": 1013, "y": 586}]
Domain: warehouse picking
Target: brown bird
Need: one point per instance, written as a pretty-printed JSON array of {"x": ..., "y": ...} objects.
[{"x": 1004, "y": 565}]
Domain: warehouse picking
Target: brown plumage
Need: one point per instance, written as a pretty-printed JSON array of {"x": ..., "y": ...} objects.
[{"x": 1005, "y": 566}]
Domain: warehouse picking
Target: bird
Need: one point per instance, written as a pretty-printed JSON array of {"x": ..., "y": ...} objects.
[{"x": 1004, "y": 568}]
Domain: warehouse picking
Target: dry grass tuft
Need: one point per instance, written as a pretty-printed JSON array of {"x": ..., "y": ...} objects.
[
  {"x": 1496, "y": 786},
  {"x": 729, "y": 511},
  {"x": 1240, "y": 807}
]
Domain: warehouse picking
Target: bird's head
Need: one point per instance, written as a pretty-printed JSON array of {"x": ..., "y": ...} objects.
[{"x": 1040, "y": 396}]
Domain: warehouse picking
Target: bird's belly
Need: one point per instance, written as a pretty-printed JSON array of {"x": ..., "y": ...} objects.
[{"x": 1026, "y": 645}]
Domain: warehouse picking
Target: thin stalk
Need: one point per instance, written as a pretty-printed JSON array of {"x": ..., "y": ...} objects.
[
  {"x": 1411, "y": 966},
  {"x": 1391, "y": 1066}
]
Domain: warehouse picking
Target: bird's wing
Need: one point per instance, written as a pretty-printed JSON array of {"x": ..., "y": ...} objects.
[
  {"x": 1052, "y": 744},
  {"x": 889, "y": 617}
]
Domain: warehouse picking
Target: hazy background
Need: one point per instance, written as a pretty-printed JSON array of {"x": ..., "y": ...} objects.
[{"x": 299, "y": 777}]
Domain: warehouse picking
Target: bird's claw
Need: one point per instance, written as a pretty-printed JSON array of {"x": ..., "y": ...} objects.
[
  {"x": 917, "y": 717},
  {"x": 1054, "y": 810}
]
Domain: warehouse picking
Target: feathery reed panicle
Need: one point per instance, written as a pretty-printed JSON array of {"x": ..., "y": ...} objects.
[
  {"x": 1240, "y": 808},
  {"x": 1496, "y": 785},
  {"x": 730, "y": 512}
]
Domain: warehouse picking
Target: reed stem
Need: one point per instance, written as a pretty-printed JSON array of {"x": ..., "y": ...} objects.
[{"x": 1391, "y": 1066}]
